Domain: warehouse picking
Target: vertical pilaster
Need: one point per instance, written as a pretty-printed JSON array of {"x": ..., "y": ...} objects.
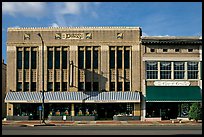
[{"x": 72, "y": 110}]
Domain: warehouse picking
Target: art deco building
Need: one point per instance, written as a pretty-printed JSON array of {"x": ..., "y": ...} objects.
[{"x": 80, "y": 69}]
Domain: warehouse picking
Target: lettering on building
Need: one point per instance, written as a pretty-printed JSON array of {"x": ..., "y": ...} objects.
[{"x": 172, "y": 83}]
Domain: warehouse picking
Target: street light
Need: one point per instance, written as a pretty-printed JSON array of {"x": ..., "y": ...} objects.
[{"x": 43, "y": 98}]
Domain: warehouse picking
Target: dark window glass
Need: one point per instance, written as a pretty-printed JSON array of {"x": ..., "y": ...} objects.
[
  {"x": 95, "y": 59},
  {"x": 57, "y": 59},
  {"x": 152, "y": 50},
  {"x": 81, "y": 86},
  {"x": 190, "y": 50},
  {"x": 33, "y": 86},
  {"x": 95, "y": 86},
  {"x": 127, "y": 59},
  {"x": 88, "y": 59},
  {"x": 112, "y": 86},
  {"x": 127, "y": 86},
  {"x": 165, "y": 50},
  {"x": 19, "y": 60},
  {"x": 26, "y": 86},
  {"x": 50, "y": 86},
  {"x": 177, "y": 50},
  {"x": 112, "y": 59},
  {"x": 19, "y": 86},
  {"x": 64, "y": 59},
  {"x": 119, "y": 58},
  {"x": 88, "y": 86},
  {"x": 33, "y": 59},
  {"x": 26, "y": 60},
  {"x": 81, "y": 59},
  {"x": 120, "y": 85},
  {"x": 50, "y": 59},
  {"x": 64, "y": 86},
  {"x": 57, "y": 86}
]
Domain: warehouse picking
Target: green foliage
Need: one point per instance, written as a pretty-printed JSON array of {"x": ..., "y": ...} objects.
[{"x": 195, "y": 111}]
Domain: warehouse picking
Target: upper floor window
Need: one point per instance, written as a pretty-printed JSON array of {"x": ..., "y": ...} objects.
[
  {"x": 112, "y": 59},
  {"x": 190, "y": 50},
  {"x": 165, "y": 70},
  {"x": 151, "y": 70},
  {"x": 50, "y": 59},
  {"x": 165, "y": 50},
  {"x": 26, "y": 60},
  {"x": 19, "y": 86},
  {"x": 119, "y": 58},
  {"x": 192, "y": 70},
  {"x": 177, "y": 50},
  {"x": 57, "y": 59},
  {"x": 33, "y": 59},
  {"x": 88, "y": 59},
  {"x": 127, "y": 59},
  {"x": 64, "y": 59},
  {"x": 152, "y": 50},
  {"x": 26, "y": 86},
  {"x": 179, "y": 70},
  {"x": 19, "y": 59},
  {"x": 81, "y": 59},
  {"x": 95, "y": 59}
]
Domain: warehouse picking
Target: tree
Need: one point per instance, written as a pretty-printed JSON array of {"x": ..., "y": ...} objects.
[{"x": 195, "y": 111}]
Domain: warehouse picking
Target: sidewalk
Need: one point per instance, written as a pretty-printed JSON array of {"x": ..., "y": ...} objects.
[{"x": 98, "y": 122}]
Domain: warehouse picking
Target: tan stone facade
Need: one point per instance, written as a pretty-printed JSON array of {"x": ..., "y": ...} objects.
[
  {"x": 94, "y": 44},
  {"x": 3, "y": 89},
  {"x": 102, "y": 59}
]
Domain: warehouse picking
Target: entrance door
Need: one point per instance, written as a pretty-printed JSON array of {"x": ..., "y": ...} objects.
[{"x": 105, "y": 111}]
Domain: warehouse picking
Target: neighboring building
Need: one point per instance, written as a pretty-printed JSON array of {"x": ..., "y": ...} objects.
[
  {"x": 110, "y": 70},
  {"x": 172, "y": 77},
  {"x": 85, "y": 68},
  {"x": 3, "y": 89}
]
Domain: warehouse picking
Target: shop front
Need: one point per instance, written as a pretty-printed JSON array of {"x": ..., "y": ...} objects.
[
  {"x": 170, "y": 102},
  {"x": 101, "y": 105}
]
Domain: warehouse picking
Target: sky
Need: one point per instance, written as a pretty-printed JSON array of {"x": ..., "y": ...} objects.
[{"x": 155, "y": 18}]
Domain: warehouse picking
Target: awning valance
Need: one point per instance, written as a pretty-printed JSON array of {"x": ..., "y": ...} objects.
[
  {"x": 173, "y": 94},
  {"x": 73, "y": 97}
]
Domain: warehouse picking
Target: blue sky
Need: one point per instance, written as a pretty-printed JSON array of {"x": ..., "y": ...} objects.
[{"x": 155, "y": 18}]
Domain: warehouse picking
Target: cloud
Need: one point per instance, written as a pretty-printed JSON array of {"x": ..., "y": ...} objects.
[
  {"x": 73, "y": 12},
  {"x": 71, "y": 8},
  {"x": 28, "y": 9},
  {"x": 54, "y": 25}
]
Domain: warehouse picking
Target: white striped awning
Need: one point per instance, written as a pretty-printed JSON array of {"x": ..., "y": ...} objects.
[
  {"x": 73, "y": 97},
  {"x": 23, "y": 97}
]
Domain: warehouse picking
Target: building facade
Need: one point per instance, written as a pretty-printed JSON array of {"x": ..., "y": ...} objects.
[
  {"x": 85, "y": 69},
  {"x": 108, "y": 71},
  {"x": 3, "y": 89},
  {"x": 173, "y": 76}
]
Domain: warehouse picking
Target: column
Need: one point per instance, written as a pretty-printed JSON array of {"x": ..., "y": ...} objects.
[
  {"x": 72, "y": 110},
  {"x": 9, "y": 109}
]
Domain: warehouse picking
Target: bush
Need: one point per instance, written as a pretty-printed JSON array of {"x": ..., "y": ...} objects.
[{"x": 195, "y": 111}]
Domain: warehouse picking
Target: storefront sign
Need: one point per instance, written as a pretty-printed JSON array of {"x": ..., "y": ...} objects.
[
  {"x": 104, "y": 101},
  {"x": 172, "y": 83},
  {"x": 72, "y": 36}
]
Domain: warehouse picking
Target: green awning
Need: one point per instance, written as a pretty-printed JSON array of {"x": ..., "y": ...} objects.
[{"x": 173, "y": 94}]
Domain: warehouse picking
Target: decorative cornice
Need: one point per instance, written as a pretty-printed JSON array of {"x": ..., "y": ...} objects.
[{"x": 70, "y": 28}]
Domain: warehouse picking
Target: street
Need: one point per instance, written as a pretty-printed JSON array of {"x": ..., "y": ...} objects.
[{"x": 103, "y": 130}]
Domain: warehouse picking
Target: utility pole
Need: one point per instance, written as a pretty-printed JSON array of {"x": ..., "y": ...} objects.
[{"x": 43, "y": 98}]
